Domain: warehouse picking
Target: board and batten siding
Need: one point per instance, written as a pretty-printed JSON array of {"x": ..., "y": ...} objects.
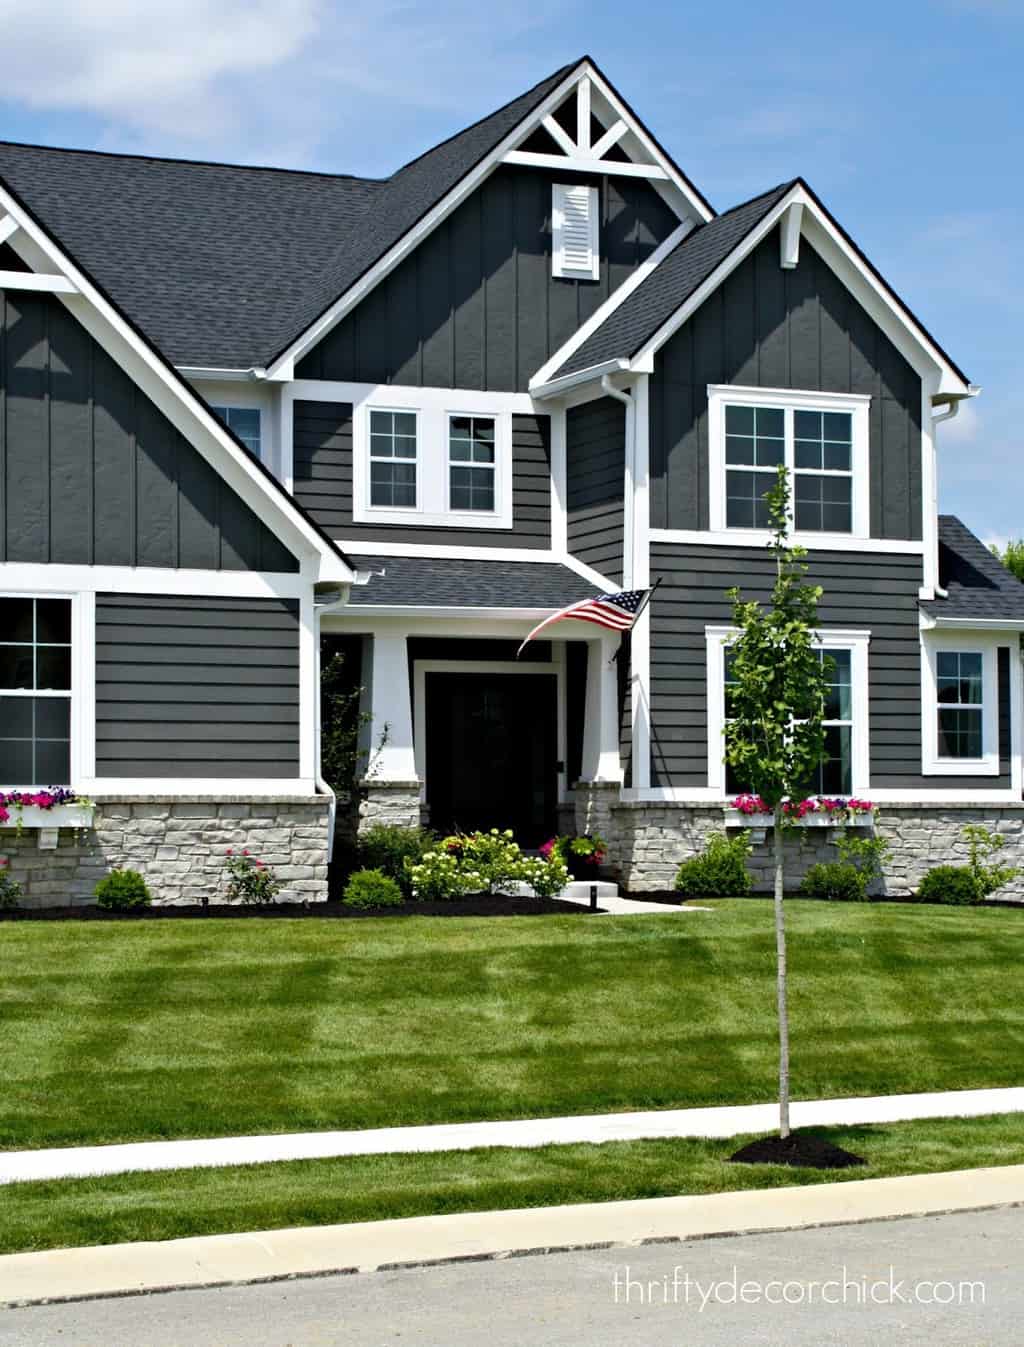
[
  {"x": 476, "y": 306},
  {"x": 765, "y": 327},
  {"x": 876, "y": 593},
  {"x": 322, "y": 472},
  {"x": 196, "y": 687},
  {"x": 595, "y": 437},
  {"x": 92, "y": 473}
]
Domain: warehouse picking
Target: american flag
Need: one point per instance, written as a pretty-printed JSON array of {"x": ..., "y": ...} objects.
[{"x": 616, "y": 611}]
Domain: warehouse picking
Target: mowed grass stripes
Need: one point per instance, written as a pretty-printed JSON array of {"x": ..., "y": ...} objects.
[{"x": 205, "y": 1028}]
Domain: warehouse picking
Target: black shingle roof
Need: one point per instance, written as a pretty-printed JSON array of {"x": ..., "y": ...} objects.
[
  {"x": 668, "y": 287},
  {"x": 979, "y": 584},
  {"x": 447, "y": 582},
  {"x": 222, "y": 265}
]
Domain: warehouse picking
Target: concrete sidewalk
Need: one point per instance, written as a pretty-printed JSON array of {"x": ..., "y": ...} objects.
[
  {"x": 118, "y": 1269},
  {"x": 83, "y": 1161}
]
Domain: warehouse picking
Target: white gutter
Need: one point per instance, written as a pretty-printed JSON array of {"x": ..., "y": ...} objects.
[{"x": 565, "y": 382}]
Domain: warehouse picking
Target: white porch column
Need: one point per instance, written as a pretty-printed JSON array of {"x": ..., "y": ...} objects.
[
  {"x": 391, "y": 709},
  {"x": 601, "y": 761}
]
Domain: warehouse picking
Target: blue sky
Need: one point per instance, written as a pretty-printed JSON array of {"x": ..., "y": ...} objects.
[{"x": 905, "y": 116}]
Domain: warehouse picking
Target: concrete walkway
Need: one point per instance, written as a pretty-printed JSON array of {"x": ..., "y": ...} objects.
[
  {"x": 70, "y": 1274},
  {"x": 81, "y": 1161}
]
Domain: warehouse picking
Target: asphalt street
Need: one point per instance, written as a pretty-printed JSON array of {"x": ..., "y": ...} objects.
[{"x": 945, "y": 1281}]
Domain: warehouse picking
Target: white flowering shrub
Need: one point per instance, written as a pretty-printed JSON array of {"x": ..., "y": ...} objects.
[{"x": 490, "y": 862}]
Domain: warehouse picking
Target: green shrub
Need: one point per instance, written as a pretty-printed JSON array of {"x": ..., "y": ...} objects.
[
  {"x": 490, "y": 862},
  {"x": 720, "y": 871},
  {"x": 952, "y": 884},
  {"x": 835, "y": 880},
  {"x": 393, "y": 850},
  {"x": 547, "y": 878},
  {"x": 981, "y": 843},
  {"x": 250, "y": 880},
  {"x": 10, "y": 889},
  {"x": 372, "y": 888},
  {"x": 122, "y": 890}
]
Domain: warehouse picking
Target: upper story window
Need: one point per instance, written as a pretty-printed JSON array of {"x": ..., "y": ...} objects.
[
  {"x": 245, "y": 422},
  {"x": 960, "y": 705},
  {"x": 575, "y": 241},
  {"x": 35, "y": 692},
  {"x": 820, "y": 438},
  {"x": 422, "y": 461}
]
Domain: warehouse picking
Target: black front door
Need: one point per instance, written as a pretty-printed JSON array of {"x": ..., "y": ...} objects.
[{"x": 492, "y": 743}]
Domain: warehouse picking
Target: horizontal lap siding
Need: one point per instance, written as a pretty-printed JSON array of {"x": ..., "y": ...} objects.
[
  {"x": 196, "y": 687},
  {"x": 877, "y": 593},
  {"x": 769, "y": 328},
  {"x": 476, "y": 305},
  {"x": 323, "y": 483},
  {"x": 92, "y": 473},
  {"x": 595, "y": 484}
]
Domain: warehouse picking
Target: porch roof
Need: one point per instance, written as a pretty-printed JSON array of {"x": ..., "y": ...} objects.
[{"x": 450, "y": 582}]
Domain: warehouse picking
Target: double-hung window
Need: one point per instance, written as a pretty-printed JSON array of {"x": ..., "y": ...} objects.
[
  {"x": 471, "y": 463},
  {"x": 35, "y": 692},
  {"x": 844, "y": 767},
  {"x": 820, "y": 438},
  {"x": 245, "y": 422},
  {"x": 960, "y": 705},
  {"x": 393, "y": 459}
]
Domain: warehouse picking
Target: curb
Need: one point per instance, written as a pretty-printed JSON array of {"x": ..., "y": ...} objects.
[{"x": 206, "y": 1262}]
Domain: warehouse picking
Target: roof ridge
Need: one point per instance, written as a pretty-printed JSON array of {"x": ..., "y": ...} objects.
[
  {"x": 562, "y": 70},
  {"x": 191, "y": 163}
]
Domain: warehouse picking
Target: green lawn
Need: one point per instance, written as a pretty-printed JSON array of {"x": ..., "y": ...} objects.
[
  {"x": 366, "y": 1188},
  {"x": 160, "y": 1029}
]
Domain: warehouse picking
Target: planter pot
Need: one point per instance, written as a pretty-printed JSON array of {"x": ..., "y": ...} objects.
[
  {"x": 759, "y": 823},
  {"x": 47, "y": 823}
]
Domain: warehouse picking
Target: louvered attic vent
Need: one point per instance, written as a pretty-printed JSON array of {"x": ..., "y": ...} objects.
[{"x": 574, "y": 253}]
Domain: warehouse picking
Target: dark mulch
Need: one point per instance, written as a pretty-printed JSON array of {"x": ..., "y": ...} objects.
[
  {"x": 674, "y": 899},
  {"x": 482, "y": 905},
  {"x": 802, "y": 1149}
]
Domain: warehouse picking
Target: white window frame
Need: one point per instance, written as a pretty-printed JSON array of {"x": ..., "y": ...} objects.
[
  {"x": 468, "y": 463},
  {"x": 561, "y": 269},
  {"x": 400, "y": 512},
  {"x": 718, "y": 639},
  {"x": 74, "y": 694},
  {"x": 987, "y": 645},
  {"x": 788, "y": 401},
  {"x": 434, "y": 409}
]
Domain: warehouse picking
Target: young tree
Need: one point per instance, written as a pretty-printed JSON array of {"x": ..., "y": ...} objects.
[
  {"x": 774, "y": 739},
  {"x": 1012, "y": 557}
]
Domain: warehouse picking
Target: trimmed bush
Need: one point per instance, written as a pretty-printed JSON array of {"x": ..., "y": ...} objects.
[
  {"x": 836, "y": 881},
  {"x": 393, "y": 850},
  {"x": 372, "y": 888},
  {"x": 952, "y": 884},
  {"x": 122, "y": 891},
  {"x": 484, "y": 862},
  {"x": 720, "y": 871}
]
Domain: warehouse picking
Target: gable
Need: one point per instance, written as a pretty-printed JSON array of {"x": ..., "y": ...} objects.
[
  {"x": 92, "y": 472},
  {"x": 475, "y": 304},
  {"x": 768, "y": 327}
]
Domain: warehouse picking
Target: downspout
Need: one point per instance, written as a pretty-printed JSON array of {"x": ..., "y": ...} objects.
[{"x": 626, "y": 399}]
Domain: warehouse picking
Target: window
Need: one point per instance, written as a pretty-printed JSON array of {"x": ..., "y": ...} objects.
[
  {"x": 245, "y": 422},
  {"x": 35, "y": 692},
  {"x": 575, "y": 253},
  {"x": 471, "y": 463},
  {"x": 845, "y": 767},
  {"x": 821, "y": 439},
  {"x": 393, "y": 459},
  {"x": 961, "y": 703}
]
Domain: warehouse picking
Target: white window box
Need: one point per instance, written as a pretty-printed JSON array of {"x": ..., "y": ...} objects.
[
  {"x": 60, "y": 816},
  {"x": 760, "y": 824}
]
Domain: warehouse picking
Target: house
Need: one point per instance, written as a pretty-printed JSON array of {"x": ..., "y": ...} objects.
[{"x": 244, "y": 408}]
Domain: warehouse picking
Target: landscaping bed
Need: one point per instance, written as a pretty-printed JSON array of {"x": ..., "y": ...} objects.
[{"x": 479, "y": 905}]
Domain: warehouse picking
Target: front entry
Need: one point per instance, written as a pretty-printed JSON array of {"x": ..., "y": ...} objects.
[{"x": 492, "y": 749}]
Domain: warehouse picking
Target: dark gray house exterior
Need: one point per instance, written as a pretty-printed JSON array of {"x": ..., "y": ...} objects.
[{"x": 244, "y": 412}]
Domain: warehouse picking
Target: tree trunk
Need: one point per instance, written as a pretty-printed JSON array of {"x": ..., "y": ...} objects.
[{"x": 780, "y": 950}]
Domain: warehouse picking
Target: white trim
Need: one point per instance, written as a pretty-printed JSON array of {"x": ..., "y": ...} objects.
[
  {"x": 789, "y": 237},
  {"x": 32, "y": 280},
  {"x": 929, "y": 491},
  {"x": 986, "y": 644},
  {"x": 406, "y": 396},
  {"x": 640, "y": 642},
  {"x": 216, "y": 373},
  {"x": 467, "y": 623},
  {"x": 57, "y": 578},
  {"x": 309, "y": 766},
  {"x": 176, "y": 399},
  {"x": 579, "y": 163},
  {"x": 116, "y": 787},
  {"x": 638, "y": 276},
  {"x": 589, "y": 574},
  {"x": 559, "y": 481},
  {"x": 565, "y": 382},
  {"x": 857, "y": 406},
  {"x": 936, "y": 622},
  {"x": 374, "y": 611},
  {"x": 422, "y": 667},
  {"x": 449, "y": 552},
  {"x": 760, "y": 538},
  {"x": 583, "y": 114},
  {"x": 701, "y": 795},
  {"x": 8, "y": 228},
  {"x": 856, "y": 640},
  {"x": 558, "y": 135},
  {"x": 82, "y": 651},
  {"x": 610, "y": 138},
  {"x": 687, "y": 203}
]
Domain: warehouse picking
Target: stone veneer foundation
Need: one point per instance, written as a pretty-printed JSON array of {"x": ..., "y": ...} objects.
[
  {"x": 178, "y": 846},
  {"x": 647, "y": 841}
]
